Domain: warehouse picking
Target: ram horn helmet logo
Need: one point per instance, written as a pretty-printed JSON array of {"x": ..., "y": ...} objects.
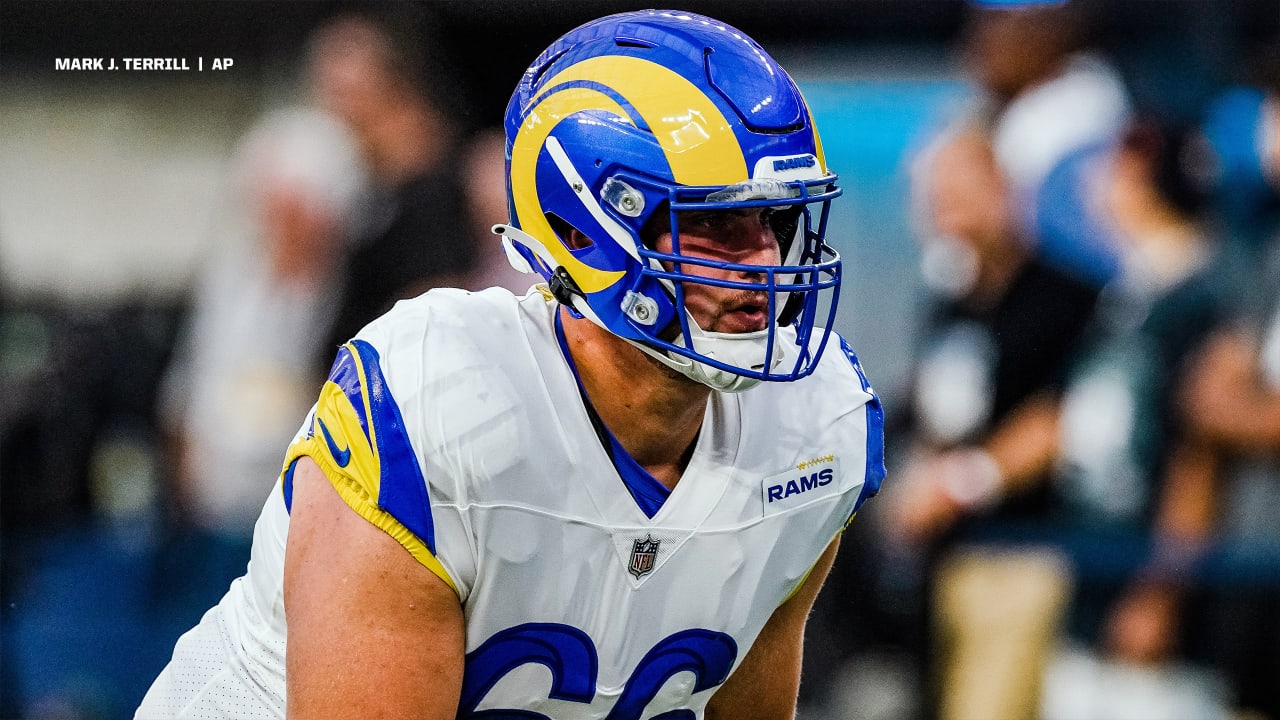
[{"x": 643, "y": 553}]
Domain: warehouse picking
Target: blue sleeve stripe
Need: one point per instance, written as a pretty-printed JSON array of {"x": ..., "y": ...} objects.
[
  {"x": 287, "y": 485},
  {"x": 402, "y": 490},
  {"x": 875, "y": 452},
  {"x": 857, "y": 366},
  {"x": 875, "y": 432}
]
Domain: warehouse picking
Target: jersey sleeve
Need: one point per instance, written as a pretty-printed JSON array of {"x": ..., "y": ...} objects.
[{"x": 357, "y": 435}]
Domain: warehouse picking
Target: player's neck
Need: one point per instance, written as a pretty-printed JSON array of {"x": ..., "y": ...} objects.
[{"x": 654, "y": 413}]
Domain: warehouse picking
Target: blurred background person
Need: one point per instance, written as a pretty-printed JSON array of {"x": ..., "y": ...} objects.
[
  {"x": 1231, "y": 398},
  {"x": 372, "y": 69},
  {"x": 245, "y": 369},
  {"x": 1055, "y": 101},
  {"x": 992, "y": 357},
  {"x": 1137, "y": 491},
  {"x": 1076, "y": 514},
  {"x": 170, "y": 516},
  {"x": 484, "y": 177}
]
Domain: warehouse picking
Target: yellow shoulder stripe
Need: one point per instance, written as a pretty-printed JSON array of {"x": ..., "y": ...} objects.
[{"x": 358, "y": 499}]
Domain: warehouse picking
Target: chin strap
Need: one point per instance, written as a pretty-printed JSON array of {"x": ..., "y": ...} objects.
[
  {"x": 714, "y": 378},
  {"x": 740, "y": 349}
]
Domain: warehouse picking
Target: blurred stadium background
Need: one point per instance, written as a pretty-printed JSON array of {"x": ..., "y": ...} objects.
[{"x": 111, "y": 181}]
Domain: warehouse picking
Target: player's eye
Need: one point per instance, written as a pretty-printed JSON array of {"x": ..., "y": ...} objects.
[{"x": 710, "y": 220}]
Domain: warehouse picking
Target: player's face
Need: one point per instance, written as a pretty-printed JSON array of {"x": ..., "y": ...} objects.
[{"x": 744, "y": 236}]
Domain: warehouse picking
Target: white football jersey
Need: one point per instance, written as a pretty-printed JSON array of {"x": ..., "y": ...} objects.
[{"x": 456, "y": 423}]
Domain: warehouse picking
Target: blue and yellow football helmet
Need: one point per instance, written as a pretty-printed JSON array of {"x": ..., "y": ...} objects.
[{"x": 667, "y": 112}]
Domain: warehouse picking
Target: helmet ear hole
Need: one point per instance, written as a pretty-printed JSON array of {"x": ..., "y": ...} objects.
[{"x": 574, "y": 238}]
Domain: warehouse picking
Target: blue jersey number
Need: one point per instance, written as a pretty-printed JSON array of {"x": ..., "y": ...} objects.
[{"x": 571, "y": 657}]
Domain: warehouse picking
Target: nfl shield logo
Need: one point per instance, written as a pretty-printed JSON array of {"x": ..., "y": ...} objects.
[{"x": 643, "y": 553}]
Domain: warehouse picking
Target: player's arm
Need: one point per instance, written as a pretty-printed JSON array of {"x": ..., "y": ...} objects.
[
  {"x": 372, "y": 633},
  {"x": 766, "y": 684}
]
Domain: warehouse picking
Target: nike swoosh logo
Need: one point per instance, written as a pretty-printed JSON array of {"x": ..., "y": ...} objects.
[{"x": 341, "y": 455}]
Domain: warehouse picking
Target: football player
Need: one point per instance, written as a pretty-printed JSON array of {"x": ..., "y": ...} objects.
[{"x": 616, "y": 497}]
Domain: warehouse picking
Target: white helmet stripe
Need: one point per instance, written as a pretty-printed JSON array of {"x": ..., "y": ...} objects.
[{"x": 583, "y": 191}]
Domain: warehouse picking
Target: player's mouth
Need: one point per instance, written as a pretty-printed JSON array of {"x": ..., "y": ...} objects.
[{"x": 744, "y": 317}]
